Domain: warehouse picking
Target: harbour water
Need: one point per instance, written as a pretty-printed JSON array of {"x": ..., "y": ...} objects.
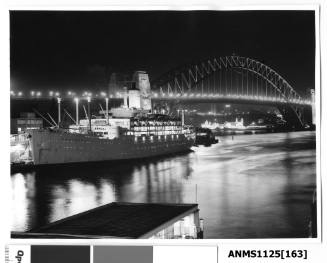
[{"x": 247, "y": 186}]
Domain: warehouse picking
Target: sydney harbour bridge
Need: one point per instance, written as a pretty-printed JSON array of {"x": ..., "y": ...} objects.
[
  {"x": 228, "y": 79},
  {"x": 233, "y": 79}
]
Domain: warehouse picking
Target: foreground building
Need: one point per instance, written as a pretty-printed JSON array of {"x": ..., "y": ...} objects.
[{"x": 126, "y": 220}]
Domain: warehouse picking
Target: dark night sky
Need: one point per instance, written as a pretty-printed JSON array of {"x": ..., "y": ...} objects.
[{"x": 81, "y": 49}]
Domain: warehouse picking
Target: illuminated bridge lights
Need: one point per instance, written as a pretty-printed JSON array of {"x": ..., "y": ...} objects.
[
  {"x": 170, "y": 95},
  {"x": 87, "y": 94}
]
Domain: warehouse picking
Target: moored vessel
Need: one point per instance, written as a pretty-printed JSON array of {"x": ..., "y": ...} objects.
[{"x": 128, "y": 132}]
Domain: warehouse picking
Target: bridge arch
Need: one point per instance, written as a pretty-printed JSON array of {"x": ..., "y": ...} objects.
[{"x": 192, "y": 79}]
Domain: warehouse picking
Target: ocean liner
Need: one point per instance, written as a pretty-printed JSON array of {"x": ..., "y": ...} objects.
[{"x": 128, "y": 132}]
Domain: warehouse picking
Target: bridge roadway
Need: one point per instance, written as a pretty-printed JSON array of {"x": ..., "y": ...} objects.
[{"x": 189, "y": 98}]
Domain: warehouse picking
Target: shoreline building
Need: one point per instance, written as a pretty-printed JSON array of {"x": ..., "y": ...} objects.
[{"x": 25, "y": 122}]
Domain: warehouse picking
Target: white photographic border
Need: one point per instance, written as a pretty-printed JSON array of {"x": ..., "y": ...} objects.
[{"x": 320, "y": 66}]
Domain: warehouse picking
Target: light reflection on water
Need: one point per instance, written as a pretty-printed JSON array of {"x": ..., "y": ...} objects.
[{"x": 247, "y": 186}]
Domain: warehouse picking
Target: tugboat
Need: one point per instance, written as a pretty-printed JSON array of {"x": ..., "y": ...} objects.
[{"x": 204, "y": 136}]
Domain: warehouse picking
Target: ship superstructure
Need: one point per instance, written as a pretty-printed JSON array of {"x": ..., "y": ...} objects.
[{"x": 128, "y": 132}]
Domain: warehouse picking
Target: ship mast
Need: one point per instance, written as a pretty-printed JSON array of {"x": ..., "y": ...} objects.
[
  {"x": 89, "y": 111},
  {"x": 59, "y": 111},
  {"x": 107, "y": 109},
  {"x": 77, "y": 120}
]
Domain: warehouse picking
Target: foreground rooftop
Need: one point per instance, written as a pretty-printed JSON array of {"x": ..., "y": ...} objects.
[{"x": 114, "y": 220}]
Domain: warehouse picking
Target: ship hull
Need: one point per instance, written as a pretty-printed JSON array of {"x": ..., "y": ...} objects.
[{"x": 56, "y": 147}]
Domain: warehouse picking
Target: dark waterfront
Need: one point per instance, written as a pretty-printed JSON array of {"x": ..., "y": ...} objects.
[{"x": 247, "y": 186}]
